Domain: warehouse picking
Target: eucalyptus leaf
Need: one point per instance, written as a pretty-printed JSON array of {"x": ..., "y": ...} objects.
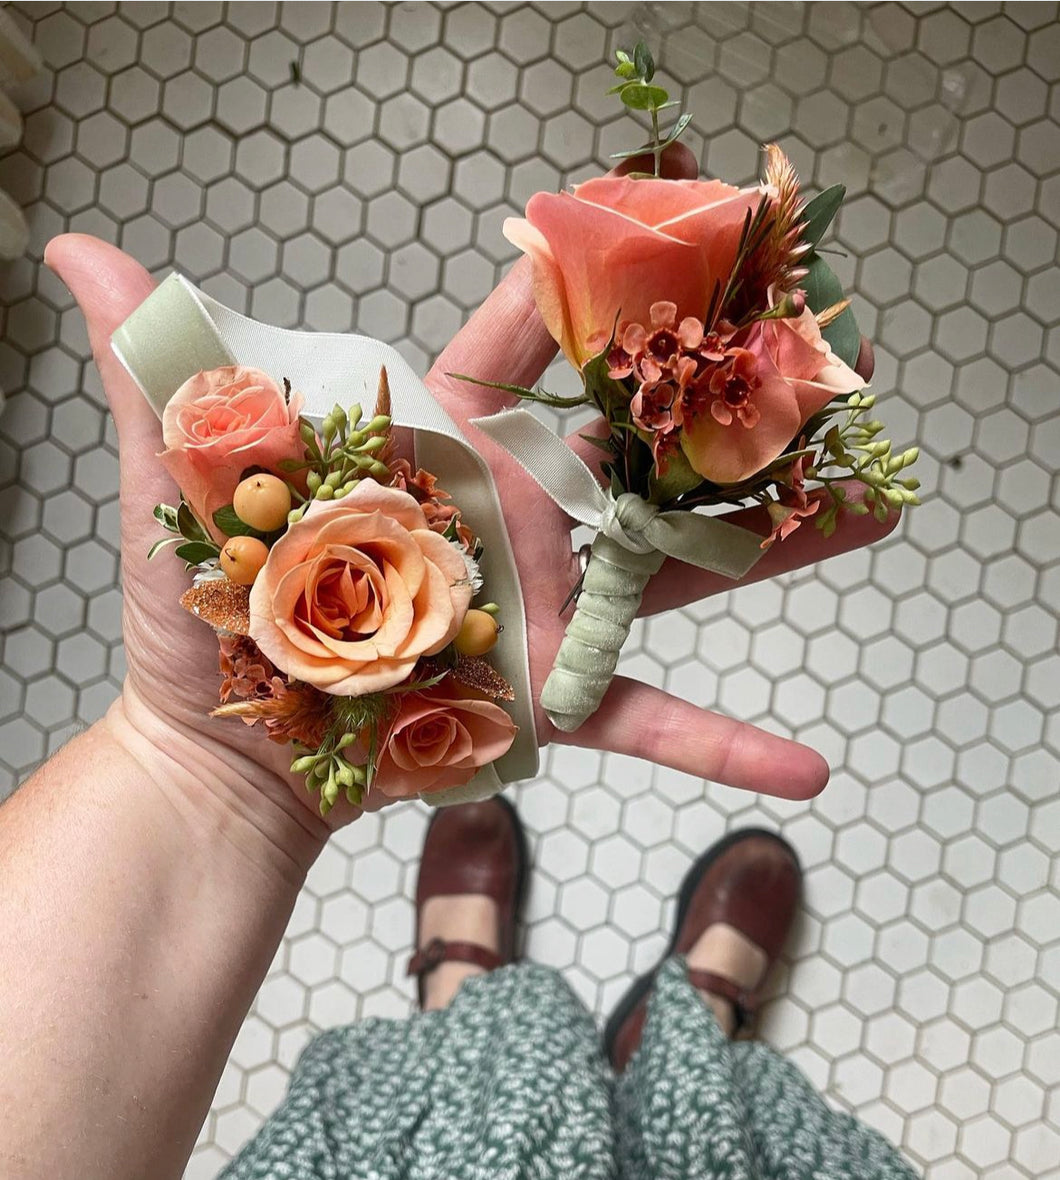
[
  {"x": 196, "y": 552},
  {"x": 818, "y": 213},
  {"x": 675, "y": 131},
  {"x": 644, "y": 61},
  {"x": 647, "y": 149},
  {"x": 639, "y": 97},
  {"x": 823, "y": 290}
]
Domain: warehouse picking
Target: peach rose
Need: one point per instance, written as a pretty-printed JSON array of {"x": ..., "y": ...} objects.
[
  {"x": 218, "y": 424},
  {"x": 356, "y": 591},
  {"x": 749, "y": 407},
  {"x": 616, "y": 245},
  {"x": 439, "y": 738}
]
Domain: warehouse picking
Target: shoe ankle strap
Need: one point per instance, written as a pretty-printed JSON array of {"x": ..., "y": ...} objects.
[
  {"x": 744, "y": 1002},
  {"x": 428, "y": 958}
]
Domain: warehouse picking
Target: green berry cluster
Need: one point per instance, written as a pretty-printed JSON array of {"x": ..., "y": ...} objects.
[
  {"x": 346, "y": 451},
  {"x": 855, "y": 447},
  {"x": 327, "y": 771}
]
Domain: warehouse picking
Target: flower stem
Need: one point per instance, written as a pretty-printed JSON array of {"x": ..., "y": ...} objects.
[{"x": 656, "y": 144}]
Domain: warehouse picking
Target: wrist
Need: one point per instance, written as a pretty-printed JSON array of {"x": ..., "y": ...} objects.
[{"x": 217, "y": 790}]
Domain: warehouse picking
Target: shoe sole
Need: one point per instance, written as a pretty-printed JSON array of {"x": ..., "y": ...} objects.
[{"x": 643, "y": 984}]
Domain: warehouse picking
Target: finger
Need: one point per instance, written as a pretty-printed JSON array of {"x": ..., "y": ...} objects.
[
  {"x": 646, "y": 722},
  {"x": 678, "y": 163},
  {"x": 506, "y": 340},
  {"x": 678, "y": 584},
  {"x": 865, "y": 365},
  {"x": 108, "y": 286}
]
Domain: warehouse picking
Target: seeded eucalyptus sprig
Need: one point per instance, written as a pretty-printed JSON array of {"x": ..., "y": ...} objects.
[
  {"x": 346, "y": 452},
  {"x": 364, "y": 720},
  {"x": 327, "y": 771},
  {"x": 854, "y": 446},
  {"x": 639, "y": 92}
]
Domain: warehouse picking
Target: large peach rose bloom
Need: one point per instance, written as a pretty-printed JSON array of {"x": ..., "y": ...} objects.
[
  {"x": 356, "y": 591},
  {"x": 439, "y": 738},
  {"x": 614, "y": 246},
  {"x": 218, "y": 424}
]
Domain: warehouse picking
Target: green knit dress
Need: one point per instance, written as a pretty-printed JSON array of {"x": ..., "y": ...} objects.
[{"x": 509, "y": 1082}]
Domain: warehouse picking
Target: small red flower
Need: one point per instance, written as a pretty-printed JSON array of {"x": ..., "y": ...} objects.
[{"x": 733, "y": 384}]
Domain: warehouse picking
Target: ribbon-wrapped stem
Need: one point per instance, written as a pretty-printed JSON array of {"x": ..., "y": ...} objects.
[
  {"x": 613, "y": 586},
  {"x": 634, "y": 536}
]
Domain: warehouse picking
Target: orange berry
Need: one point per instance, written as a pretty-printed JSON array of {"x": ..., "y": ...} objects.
[
  {"x": 262, "y": 501},
  {"x": 242, "y": 559},
  {"x": 477, "y": 634}
]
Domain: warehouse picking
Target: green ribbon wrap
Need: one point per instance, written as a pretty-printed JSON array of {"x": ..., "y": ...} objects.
[{"x": 633, "y": 539}]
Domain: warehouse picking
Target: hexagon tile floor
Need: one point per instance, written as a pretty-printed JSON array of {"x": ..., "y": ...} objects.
[{"x": 330, "y": 165}]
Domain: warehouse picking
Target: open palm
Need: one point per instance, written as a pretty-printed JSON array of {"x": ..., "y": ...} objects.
[{"x": 172, "y": 657}]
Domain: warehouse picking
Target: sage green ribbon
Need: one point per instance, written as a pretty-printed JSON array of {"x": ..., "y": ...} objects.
[
  {"x": 179, "y": 331},
  {"x": 633, "y": 537}
]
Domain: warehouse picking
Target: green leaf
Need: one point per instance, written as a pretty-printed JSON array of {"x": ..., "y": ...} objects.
[
  {"x": 680, "y": 477},
  {"x": 608, "y": 394},
  {"x": 823, "y": 290},
  {"x": 623, "y": 57},
  {"x": 677, "y": 129},
  {"x": 226, "y": 520},
  {"x": 603, "y": 444},
  {"x": 158, "y": 546},
  {"x": 640, "y": 97},
  {"x": 531, "y": 395},
  {"x": 166, "y": 517},
  {"x": 819, "y": 212},
  {"x": 644, "y": 62},
  {"x": 189, "y": 526},
  {"x": 646, "y": 150},
  {"x": 195, "y": 552}
]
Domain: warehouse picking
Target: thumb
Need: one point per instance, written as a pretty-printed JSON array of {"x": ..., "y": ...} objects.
[{"x": 108, "y": 286}]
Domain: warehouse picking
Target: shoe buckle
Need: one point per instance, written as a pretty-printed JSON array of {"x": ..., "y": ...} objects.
[{"x": 432, "y": 955}]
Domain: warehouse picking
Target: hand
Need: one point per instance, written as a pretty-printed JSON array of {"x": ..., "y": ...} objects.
[{"x": 172, "y": 657}]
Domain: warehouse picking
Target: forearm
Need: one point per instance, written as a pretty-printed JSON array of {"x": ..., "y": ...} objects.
[{"x": 143, "y": 894}]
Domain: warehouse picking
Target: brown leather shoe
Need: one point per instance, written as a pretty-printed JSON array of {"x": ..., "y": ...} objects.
[
  {"x": 477, "y": 848},
  {"x": 750, "y": 880}
]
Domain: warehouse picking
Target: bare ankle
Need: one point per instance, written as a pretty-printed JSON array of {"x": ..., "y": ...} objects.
[{"x": 444, "y": 982}]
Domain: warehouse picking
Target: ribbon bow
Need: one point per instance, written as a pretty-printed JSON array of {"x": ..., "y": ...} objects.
[{"x": 629, "y": 520}]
